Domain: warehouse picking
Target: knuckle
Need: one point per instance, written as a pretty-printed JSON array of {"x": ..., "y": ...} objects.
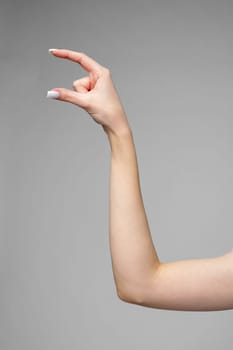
[
  {"x": 65, "y": 95},
  {"x": 107, "y": 71},
  {"x": 74, "y": 83},
  {"x": 82, "y": 56}
]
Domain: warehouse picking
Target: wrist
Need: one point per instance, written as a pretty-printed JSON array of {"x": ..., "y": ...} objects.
[
  {"x": 117, "y": 131},
  {"x": 121, "y": 143},
  {"x": 117, "y": 124},
  {"x": 118, "y": 134}
]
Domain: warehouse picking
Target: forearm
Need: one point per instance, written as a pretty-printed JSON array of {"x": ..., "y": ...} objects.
[
  {"x": 140, "y": 278},
  {"x": 133, "y": 255}
]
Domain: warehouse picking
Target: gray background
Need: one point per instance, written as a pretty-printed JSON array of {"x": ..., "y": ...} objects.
[{"x": 172, "y": 64}]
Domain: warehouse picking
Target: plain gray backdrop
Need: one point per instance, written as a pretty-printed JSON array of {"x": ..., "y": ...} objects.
[{"x": 172, "y": 64}]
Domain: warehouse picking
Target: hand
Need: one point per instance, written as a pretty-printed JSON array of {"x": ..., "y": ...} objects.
[{"x": 94, "y": 93}]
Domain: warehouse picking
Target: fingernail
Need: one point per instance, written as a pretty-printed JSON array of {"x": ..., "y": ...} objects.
[
  {"x": 51, "y": 50},
  {"x": 52, "y": 94}
]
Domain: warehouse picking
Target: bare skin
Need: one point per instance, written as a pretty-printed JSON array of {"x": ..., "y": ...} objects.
[{"x": 140, "y": 277}]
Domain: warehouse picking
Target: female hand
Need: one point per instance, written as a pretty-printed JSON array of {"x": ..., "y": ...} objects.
[{"x": 94, "y": 93}]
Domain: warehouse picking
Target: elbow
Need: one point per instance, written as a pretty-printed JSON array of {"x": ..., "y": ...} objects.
[
  {"x": 124, "y": 296},
  {"x": 130, "y": 295},
  {"x": 144, "y": 293},
  {"x": 121, "y": 295}
]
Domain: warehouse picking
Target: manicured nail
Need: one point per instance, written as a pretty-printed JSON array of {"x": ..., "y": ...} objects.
[
  {"x": 51, "y": 50},
  {"x": 52, "y": 94}
]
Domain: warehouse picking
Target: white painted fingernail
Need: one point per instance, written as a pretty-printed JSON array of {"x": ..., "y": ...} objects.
[
  {"x": 51, "y": 50},
  {"x": 52, "y": 94}
]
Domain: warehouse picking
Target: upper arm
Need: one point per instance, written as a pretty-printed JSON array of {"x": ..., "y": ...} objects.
[{"x": 191, "y": 285}]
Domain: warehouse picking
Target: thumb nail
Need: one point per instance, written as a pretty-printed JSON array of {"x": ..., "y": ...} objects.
[{"x": 52, "y": 94}]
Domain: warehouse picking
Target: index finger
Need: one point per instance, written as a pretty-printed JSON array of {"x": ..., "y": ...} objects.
[{"x": 85, "y": 61}]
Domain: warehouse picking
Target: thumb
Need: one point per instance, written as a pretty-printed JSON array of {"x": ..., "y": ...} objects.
[{"x": 66, "y": 95}]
